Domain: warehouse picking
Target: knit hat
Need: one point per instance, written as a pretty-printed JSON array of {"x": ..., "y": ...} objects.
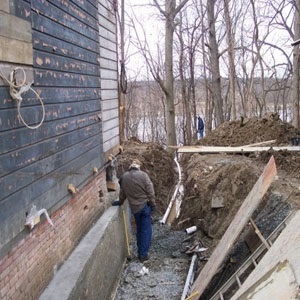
[{"x": 136, "y": 164}]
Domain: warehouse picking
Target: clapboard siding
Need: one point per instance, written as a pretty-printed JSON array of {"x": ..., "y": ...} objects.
[
  {"x": 70, "y": 49},
  {"x": 47, "y": 26},
  {"x": 110, "y": 104},
  {"x": 109, "y": 64},
  {"x": 108, "y": 74},
  {"x": 112, "y": 123},
  {"x": 107, "y": 84},
  {"x": 22, "y": 137},
  {"x": 110, "y": 143},
  {"x": 54, "y": 112},
  {"x": 48, "y": 195},
  {"x": 48, "y": 44},
  {"x": 25, "y": 156},
  {"x": 109, "y": 95}
]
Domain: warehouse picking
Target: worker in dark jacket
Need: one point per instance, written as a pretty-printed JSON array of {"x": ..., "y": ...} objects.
[
  {"x": 200, "y": 127},
  {"x": 137, "y": 188}
]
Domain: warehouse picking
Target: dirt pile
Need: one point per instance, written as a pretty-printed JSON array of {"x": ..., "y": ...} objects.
[
  {"x": 215, "y": 185},
  {"x": 251, "y": 131},
  {"x": 156, "y": 161}
]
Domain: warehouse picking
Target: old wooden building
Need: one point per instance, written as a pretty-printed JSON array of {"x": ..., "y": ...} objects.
[{"x": 59, "y": 122}]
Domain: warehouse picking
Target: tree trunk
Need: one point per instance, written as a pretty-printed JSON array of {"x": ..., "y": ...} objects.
[
  {"x": 169, "y": 86},
  {"x": 230, "y": 43},
  {"x": 215, "y": 68},
  {"x": 296, "y": 67}
]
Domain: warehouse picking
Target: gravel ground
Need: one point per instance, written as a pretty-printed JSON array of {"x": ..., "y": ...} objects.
[{"x": 163, "y": 275}]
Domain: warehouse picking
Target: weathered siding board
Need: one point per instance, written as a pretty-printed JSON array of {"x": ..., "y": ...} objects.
[
  {"x": 35, "y": 170},
  {"x": 49, "y": 194},
  {"x": 38, "y": 164},
  {"x": 54, "y": 112},
  {"x": 73, "y": 14},
  {"x": 108, "y": 84},
  {"x": 49, "y": 44},
  {"x": 47, "y": 26},
  {"x": 108, "y": 74},
  {"x": 110, "y": 104},
  {"x": 112, "y": 141},
  {"x": 25, "y": 156},
  {"x": 10, "y": 28},
  {"x": 110, "y": 95},
  {"x": 23, "y": 137},
  {"x": 109, "y": 64},
  {"x": 106, "y": 17},
  {"x": 112, "y": 123},
  {"x": 55, "y": 62},
  {"x": 110, "y": 134}
]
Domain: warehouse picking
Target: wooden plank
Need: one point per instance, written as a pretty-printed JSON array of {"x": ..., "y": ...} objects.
[
  {"x": 81, "y": 10},
  {"x": 239, "y": 222},
  {"x": 23, "y": 10},
  {"x": 15, "y": 51},
  {"x": 65, "y": 94},
  {"x": 59, "y": 63},
  {"x": 50, "y": 44},
  {"x": 23, "y": 157},
  {"x": 22, "y": 137},
  {"x": 111, "y": 143},
  {"x": 48, "y": 27},
  {"x": 4, "y": 5},
  {"x": 66, "y": 19},
  {"x": 15, "y": 28},
  {"x": 65, "y": 79},
  {"x": 33, "y": 114},
  {"x": 26, "y": 176},
  {"x": 242, "y": 149},
  {"x": 279, "y": 282},
  {"x": 260, "y": 144}
]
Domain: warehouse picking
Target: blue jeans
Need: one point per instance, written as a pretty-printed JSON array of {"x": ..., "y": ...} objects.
[{"x": 143, "y": 230}]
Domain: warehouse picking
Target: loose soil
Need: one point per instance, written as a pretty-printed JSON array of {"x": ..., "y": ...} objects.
[{"x": 222, "y": 178}]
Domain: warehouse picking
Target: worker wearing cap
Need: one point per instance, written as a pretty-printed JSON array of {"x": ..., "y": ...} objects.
[{"x": 137, "y": 188}]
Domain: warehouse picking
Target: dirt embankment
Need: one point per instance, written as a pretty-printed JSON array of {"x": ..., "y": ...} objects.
[{"x": 215, "y": 185}]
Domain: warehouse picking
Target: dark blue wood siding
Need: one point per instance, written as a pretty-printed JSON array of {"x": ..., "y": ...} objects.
[{"x": 37, "y": 165}]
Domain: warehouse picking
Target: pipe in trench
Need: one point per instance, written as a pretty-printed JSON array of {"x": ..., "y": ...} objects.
[{"x": 178, "y": 190}]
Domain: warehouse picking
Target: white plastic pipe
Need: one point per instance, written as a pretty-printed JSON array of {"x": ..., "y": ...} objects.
[
  {"x": 191, "y": 229},
  {"x": 190, "y": 277},
  {"x": 177, "y": 189}
]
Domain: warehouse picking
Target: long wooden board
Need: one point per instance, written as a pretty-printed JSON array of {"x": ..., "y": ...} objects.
[
  {"x": 245, "y": 149},
  {"x": 239, "y": 222}
]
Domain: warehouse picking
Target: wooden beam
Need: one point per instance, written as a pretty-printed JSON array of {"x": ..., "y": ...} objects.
[
  {"x": 260, "y": 144},
  {"x": 242, "y": 149},
  {"x": 233, "y": 231}
]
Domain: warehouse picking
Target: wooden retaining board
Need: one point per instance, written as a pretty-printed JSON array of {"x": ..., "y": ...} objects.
[
  {"x": 235, "y": 228},
  {"x": 243, "y": 149}
]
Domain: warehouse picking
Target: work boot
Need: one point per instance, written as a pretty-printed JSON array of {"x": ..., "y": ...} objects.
[{"x": 144, "y": 258}]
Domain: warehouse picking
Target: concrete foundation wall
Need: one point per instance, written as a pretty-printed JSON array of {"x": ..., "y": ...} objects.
[{"x": 92, "y": 270}]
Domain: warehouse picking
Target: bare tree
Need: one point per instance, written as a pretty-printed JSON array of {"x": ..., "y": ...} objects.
[
  {"x": 215, "y": 67},
  {"x": 230, "y": 42},
  {"x": 296, "y": 66},
  {"x": 169, "y": 14}
]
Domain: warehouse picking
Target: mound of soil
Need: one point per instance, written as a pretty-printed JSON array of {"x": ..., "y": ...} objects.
[
  {"x": 156, "y": 161},
  {"x": 251, "y": 131},
  {"x": 215, "y": 185}
]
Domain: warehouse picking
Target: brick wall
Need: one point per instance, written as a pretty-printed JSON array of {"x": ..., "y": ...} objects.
[{"x": 28, "y": 268}]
